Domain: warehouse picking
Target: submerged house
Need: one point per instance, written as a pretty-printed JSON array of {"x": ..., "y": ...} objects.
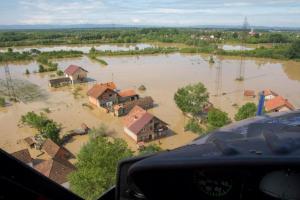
[
  {"x": 278, "y": 104},
  {"x": 75, "y": 73},
  {"x": 55, "y": 151},
  {"x": 124, "y": 108},
  {"x": 57, "y": 170},
  {"x": 127, "y": 95},
  {"x": 103, "y": 95},
  {"x": 142, "y": 126},
  {"x": 269, "y": 94},
  {"x": 24, "y": 156}
]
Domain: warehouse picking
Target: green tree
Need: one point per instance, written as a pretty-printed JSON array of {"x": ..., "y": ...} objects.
[
  {"x": 101, "y": 131},
  {"x": 194, "y": 126},
  {"x": 152, "y": 148},
  {"x": 96, "y": 166},
  {"x": 51, "y": 130},
  {"x": 246, "y": 111},
  {"x": 27, "y": 72},
  {"x": 217, "y": 118},
  {"x": 2, "y": 102},
  {"x": 191, "y": 98},
  {"x": 294, "y": 50}
]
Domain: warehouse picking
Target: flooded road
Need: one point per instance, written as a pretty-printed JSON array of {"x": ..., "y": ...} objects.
[{"x": 162, "y": 75}]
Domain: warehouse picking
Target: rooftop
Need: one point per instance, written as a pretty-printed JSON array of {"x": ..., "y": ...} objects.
[
  {"x": 98, "y": 89},
  {"x": 127, "y": 93},
  {"x": 56, "y": 170},
  {"x": 268, "y": 92},
  {"x": 73, "y": 69},
  {"x": 277, "y": 103},
  {"x": 23, "y": 155},
  {"x": 136, "y": 119}
]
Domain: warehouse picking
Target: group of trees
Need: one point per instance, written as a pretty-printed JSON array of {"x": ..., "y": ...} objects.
[
  {"x": 46, "y": 127},
  {"x": 2, "y": 102},
  {"x": 192, "y": 100},
  {"x": 97, "y": 163},
  {"x": 189, "y": 36}
]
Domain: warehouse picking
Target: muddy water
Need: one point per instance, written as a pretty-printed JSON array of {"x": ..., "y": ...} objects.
[{"x": 162, "y": 75}]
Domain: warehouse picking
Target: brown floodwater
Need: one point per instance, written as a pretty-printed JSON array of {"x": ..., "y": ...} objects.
[{"x": 162, "y": 75}]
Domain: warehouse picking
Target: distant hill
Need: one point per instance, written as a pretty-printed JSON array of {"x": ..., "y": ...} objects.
[{"x": 95, "y": 26}]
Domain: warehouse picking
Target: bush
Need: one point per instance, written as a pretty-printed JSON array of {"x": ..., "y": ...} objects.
[
  {"x": 59, "y": 72},
  {"x": 217, "y": 118},
  {"x": 193, "y": 126},
  {"x": 98, "y": 132},
  {"x": 48, "y": 128},
  {"x": 27, "y": 72},
  {"x": 152, "y": 148},
  {"x": 246, "y": 111},
  {"x": 41, "y": 69},
  {"x": 2, "y": 102}
]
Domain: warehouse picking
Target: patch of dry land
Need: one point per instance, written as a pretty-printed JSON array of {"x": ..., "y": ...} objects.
[{"x": 161, "y": 74}]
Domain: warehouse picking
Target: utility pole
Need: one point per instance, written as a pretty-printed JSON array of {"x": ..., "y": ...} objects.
[
  {"x": 241, "y": 69},
  {"x": 9, "y": 84}
]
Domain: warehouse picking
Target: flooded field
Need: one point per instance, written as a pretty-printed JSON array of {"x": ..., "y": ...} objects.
[{"x": 162, "y": 75}]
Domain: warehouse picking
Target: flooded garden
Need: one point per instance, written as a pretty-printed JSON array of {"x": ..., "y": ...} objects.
[{"x": 161, "y": 74}]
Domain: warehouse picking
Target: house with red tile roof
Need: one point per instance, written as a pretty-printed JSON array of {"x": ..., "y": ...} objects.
[
  {"x": 103, "y": 95},
  {"x": 249, "y": 93},
  {"x": 75, "y": 73},
  {"x": 124, "y": 108},
  {"x": 127, "y": 95},
  {"x": 278, "y": 104},
  {"x": 142, "y": 126},
  {"x": 269, "y": 94},
  {"x": 24, "y": 156},
  {"x": 55, "y": 151},
  {"x": 57, "y": 170}
]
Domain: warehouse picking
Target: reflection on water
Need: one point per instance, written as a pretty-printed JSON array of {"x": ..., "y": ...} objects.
[
  {"x": 162, "y": 75},
  {"x": 84, "y": 48}
]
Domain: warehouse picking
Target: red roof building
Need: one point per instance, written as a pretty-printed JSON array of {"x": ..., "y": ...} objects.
[
  {"x": 75, "y": 73},
  {"x": 24, "y": 156},
  {"x": 55, "y": 151},
  {"x": 103, "y": 95},
  {"x": 143, "y": 126},
  {"x": 269, "y": 94},
  {"x": 278, "y": 104},
  {"x": 57, "y": 170},
  {"x": 127, "y": 95}
]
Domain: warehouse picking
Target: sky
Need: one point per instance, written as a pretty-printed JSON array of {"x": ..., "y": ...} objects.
[{"x": 283, "y": 13}]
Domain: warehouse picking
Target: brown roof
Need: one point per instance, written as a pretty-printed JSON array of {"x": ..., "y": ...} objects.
[
  {"x": 98, "y": 89},
  {"x": 249, "y": 93},
  {"x": 136, "y": 119},
  {"x": 29, "y": 141},
  {"x": 268, "y": 92},
  {"x": 145, "y": 103},
  {"x": 277, "y": 103},
  {"x": 50, "y": 148},
  {"x": 56, "y": 170},
  {"x": 127, "y": 93},
  {"x": 23, "y": 155},
  {"x": 73, "y": 69}
]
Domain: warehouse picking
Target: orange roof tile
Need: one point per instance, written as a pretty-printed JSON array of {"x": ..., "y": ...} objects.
[
  {"x": 98, "y": 89},
  {"x": 72, "y": 69},
  {"x": 268, "y": 92},
  {"x": 277, "y": 103},
  {"x": 127, "y": 93},
  {"x": 249, "y": 93},
  {"x": 23, "y": 155}
]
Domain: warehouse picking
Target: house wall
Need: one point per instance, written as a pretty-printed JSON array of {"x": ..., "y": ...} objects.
[
  {"x": 130, "y": 134},
  {"x": 80, "y": 74},
  {"x": 108, "y": 96},
  {"x": 130, "y": 98},
  {"x": 269, "y": 97},
  {"x": 94, "y": 101}
]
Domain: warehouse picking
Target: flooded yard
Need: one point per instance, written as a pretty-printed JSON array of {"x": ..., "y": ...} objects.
[{"x": 162, "y": 75}]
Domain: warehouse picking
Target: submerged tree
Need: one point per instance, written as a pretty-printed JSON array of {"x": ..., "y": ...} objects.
[
  {"x": 246, "y": 111},
  {"x": 191, "y": 98},
  {"x": 97, "y": 165},
  {"x": 217, "y": 118},
  {"x": 152, "y": 148}
]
